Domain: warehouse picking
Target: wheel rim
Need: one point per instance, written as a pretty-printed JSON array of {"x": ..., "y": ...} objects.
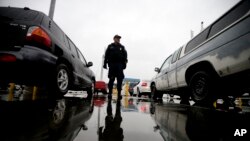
[
  {"x": 200, "y": 87},
  {"x": 62, "y": 79},
  {"x": 59, "y": 112}
]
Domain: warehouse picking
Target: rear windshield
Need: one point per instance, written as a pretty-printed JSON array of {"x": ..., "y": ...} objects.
[
  {"x": 132, "y": 84},
  {"x": 17, "y": 13}
]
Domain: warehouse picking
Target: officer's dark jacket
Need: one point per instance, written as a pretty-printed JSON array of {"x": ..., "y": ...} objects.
[{"x": 115, "y": 53}]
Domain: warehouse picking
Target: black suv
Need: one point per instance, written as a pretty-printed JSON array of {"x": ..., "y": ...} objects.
[{"x": 35, "y": 50}]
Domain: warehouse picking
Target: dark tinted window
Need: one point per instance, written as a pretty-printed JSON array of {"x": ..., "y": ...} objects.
[
  {"x": 230, "y": 17},
  {"x": 17, "y": 13},
  {"x": 132, "y": 85},
  {"x": 81, "y": 57},
  {"x": 56, "y": 31},
  {"x": 73, "y": 48},
  {"x": 66, "y": 41},
  {"x": 197, "y": 40}
]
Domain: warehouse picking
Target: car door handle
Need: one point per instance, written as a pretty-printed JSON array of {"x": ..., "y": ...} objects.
[{"x": 73, "y": 56}]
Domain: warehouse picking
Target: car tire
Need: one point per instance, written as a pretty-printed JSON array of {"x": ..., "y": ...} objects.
[
  {"x": 154, "y": 93},
  {"x": 202, "y": 87},
  {"x": 63, "y": 79},
  {"x": 91, "y": 90}
]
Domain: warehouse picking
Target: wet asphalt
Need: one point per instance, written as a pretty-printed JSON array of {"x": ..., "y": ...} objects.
[{"x": 29, "y": 117}]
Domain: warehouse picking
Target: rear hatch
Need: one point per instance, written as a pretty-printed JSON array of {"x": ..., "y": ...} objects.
[{"x": 14, "y": 26}]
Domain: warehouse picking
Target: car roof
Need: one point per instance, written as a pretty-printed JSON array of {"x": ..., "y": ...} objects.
[{"x": 18, "y": 13}]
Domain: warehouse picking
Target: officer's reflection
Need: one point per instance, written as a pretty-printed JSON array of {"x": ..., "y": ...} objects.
[{"x": 112, "y": 130}]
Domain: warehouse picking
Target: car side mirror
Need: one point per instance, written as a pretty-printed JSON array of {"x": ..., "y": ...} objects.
[
  {"x": 89, "y": 64},
  {"x": 157, "y": 70}
]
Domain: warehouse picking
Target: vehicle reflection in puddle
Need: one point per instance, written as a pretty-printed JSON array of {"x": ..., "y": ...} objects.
[
  {"x": 33, "y": 117},
  {"x": 178, "y": 122},
  {"x": 44, "y": 119}
]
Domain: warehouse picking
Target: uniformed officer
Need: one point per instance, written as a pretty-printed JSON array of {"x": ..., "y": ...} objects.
[{"x": 116, "y": 59}]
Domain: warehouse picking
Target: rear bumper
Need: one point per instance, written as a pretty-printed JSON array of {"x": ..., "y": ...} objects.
[
  {"x": 32, "y": 65},
  {"x": 145, "y": 90}
]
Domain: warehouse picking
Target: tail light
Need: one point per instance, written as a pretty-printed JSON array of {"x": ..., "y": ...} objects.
[
  {"x": 144, "y": 84},
  {"x": 38, "y": 36},
  {"x": 7, "y": 58}
]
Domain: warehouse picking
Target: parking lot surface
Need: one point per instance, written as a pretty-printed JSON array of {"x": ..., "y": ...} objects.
[{"x": 29, "y": 117}]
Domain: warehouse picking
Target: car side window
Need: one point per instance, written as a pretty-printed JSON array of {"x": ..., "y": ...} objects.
[
  {"x": 82, "y": 57},
  {"x": 176, "y": 54},
  {"x": 230, "y": 17},
  {"x": 66, "y": 42},
  {"x": 197, "y": 40},
  {"x": 56, "y": 31},
  {"x": 73, "y": 48},
  {"x": 166, "y": 63}
]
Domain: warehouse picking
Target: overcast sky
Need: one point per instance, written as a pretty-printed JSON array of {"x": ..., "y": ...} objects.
[{"x": 151, "y": 29}]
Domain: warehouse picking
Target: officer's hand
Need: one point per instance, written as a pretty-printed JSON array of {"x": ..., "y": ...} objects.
[
  {"x": 124, "y": 66},
  {"x": 105, "y": 66}
]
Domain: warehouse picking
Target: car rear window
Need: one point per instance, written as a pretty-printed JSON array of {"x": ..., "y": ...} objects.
[
  {"x": 17, "y": 13},
  {"x": 230, "y": 17}
]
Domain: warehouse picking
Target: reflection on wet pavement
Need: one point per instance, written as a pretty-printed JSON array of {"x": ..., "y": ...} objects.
[
  {"x": 43, "y": 120},
  {"x": 27, "y": 115}
]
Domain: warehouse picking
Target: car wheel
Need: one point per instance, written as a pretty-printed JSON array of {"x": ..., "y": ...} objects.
[
  {"x": 155, "y": 94},
  {"x": 201, "y": 87},
  {"x": 62, "y": 79},
  {"x": 91, "y": 90}
]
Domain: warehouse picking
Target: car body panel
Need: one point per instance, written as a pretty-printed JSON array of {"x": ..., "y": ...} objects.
[
  {"x": 226, "y": 52},
  {"x": 142, "y": 89},
  {"x": 32, "y": 59}
]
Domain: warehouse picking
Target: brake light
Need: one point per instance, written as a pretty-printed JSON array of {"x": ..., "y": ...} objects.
[
  {"x": 38, "y": 35},
  {"x": 144, "y": 84},
  {"x": 7, "y": 58}
]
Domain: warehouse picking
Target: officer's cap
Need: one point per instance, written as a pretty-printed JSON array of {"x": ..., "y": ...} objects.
[{"x": 117, "y": 36}]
